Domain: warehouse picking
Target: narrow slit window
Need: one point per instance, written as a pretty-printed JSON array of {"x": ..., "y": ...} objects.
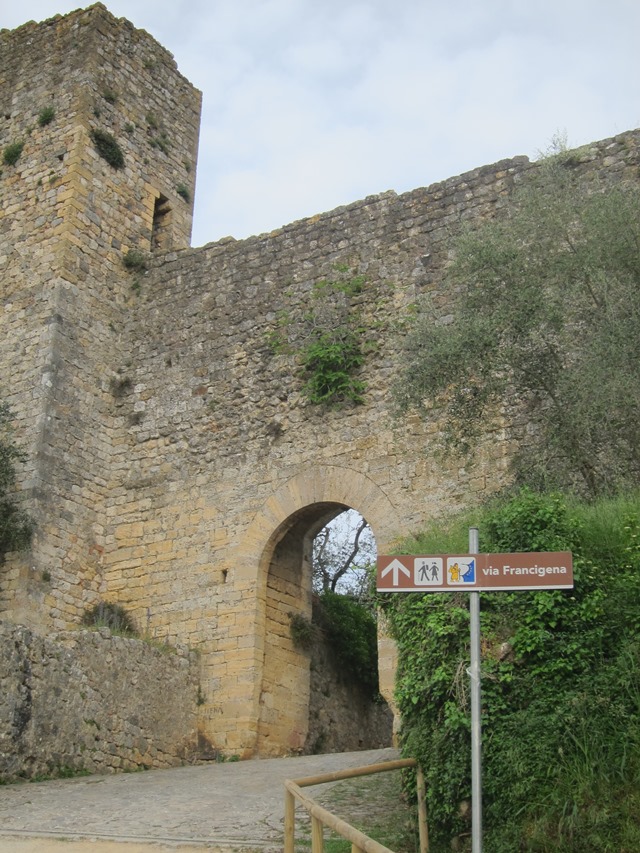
[{"x": 161, "y": 221}]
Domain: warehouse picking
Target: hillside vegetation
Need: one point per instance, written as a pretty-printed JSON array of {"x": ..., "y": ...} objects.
[{"x": 560, "y": 683}]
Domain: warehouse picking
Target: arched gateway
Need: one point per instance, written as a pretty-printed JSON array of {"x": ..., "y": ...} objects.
[{"x": 275, "y": 556}]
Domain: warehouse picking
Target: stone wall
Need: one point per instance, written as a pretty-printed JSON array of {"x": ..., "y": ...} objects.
[
  {"x": 86, "y": 700},
  {"x": 342, "y": 715},
  {"x": 176, "y": 466},
  {"x": 221, "y": 464}
]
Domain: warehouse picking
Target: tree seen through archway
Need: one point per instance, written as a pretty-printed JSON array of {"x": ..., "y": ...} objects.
[{"x": 343, "y": 552}]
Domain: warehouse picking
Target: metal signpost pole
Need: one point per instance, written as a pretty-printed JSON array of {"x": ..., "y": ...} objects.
[
  {"x": 476, "y": 731},
  {"x": 492, "y": 572}
]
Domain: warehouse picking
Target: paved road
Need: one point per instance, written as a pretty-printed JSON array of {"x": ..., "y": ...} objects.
[{"x": 234, "y": 806}]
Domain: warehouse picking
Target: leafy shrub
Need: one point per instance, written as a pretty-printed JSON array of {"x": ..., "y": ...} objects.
[
  {"x": 162, "y": 142},
  {"x": 46, "y": 116},
  {"x": 120, "y": 386},
  {"x": 329, "y": 362},
  {"x": 135, "y": 261},
  {"x": 108, "y": 148},
  {"x": 561, "y": 668},
  {"x": 12, "y": 153},
  {"x": 303, "y": 632},
  {"x": 351, "y": 632},
  {"x": 183, "y": 192}
]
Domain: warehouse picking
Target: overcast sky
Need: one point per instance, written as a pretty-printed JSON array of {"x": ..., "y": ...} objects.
[{"x": 310, "y": 104}]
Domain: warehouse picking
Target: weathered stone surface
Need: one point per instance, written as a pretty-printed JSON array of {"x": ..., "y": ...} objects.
[
  {"x": 86, "y": 700},
  {"x": 175, "y": 465},
  {"x": 342, "y": 716}
]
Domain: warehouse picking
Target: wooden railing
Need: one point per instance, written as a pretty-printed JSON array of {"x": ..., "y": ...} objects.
[{"x": 320, "y": 817}]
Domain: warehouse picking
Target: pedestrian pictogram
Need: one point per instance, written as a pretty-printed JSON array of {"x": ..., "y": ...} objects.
[{"x": 427, "y": 571}]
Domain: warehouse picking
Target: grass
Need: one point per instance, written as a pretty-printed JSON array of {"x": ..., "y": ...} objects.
[{"x": 373, "y": 804}]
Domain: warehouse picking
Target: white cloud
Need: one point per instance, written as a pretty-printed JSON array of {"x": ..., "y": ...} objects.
[{"x": 308, "y": 105}]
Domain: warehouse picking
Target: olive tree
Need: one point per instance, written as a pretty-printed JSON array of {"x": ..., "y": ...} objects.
[{"x": 547, "y": 324}]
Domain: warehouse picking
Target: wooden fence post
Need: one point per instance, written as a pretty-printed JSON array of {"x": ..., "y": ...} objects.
[
  {"x": 289, "y": 821},
  {"x": 317, "y": 835},
  {"x": 422, "y": 811}
]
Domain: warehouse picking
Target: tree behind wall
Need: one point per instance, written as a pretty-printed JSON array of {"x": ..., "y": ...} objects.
[
  {"x": 547, "y": 325},
  {"x": 343, "y": 552}
]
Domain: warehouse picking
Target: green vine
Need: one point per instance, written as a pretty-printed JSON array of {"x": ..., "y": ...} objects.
[
  {"x": 327, "y": 341},
  {"x": 329, "y": 362},
  {"x": 560, "y": 673}
]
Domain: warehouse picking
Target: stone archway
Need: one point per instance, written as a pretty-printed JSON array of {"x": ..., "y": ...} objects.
[
  {"x": 285, "y": 688},
  {"x": 274, "y": 558}
]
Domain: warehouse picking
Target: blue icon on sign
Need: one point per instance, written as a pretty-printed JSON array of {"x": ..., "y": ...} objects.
[{"x": 461, "y": 570}]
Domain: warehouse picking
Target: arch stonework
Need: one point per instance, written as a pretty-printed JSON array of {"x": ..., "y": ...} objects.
[{"x": 279, "y": 698}]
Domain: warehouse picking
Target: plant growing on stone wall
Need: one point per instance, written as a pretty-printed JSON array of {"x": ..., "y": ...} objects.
[
  {"x": 46, "y": 116},
  {"x": 109, "y": 95},
  {"x": 303, "y": 632},
  {"x": 349, "y": 286},
  {"x": 16, "y": 527},
  {"x": 11, "y": 153},
  {"x": 183, "y": 192},
  {"x": 327, "y": 340},
  {"x": 161, "y": 141},
  {"x": 120, "y": 386},
  {"x": 277, "y": 338},
  {"x": 329, "y": 361},
  {"x": 107, "y": 614},
  {"x": 108, "y": 148},
  {"x": 136, "y": 261},
  {"x": 332, "y": 350}
]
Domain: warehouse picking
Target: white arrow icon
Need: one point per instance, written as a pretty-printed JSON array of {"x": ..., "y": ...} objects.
[{"x": 395, "y": 566}]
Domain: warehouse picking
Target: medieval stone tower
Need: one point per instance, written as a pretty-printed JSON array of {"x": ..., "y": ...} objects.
[
  {"x": 176, "y": 466},
  {"x": 68, "y": 218}
]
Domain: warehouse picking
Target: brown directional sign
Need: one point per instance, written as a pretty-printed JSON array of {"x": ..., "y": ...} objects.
[{"x": 469, "y": 572}]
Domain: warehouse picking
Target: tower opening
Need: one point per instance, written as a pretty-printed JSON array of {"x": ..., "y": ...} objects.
[{"x": 160, "y": 230}]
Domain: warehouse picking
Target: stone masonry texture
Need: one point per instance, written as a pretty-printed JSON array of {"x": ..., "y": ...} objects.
[
  {"x": 86, "y": 700},
  {"x": 175, "y": 465}
]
